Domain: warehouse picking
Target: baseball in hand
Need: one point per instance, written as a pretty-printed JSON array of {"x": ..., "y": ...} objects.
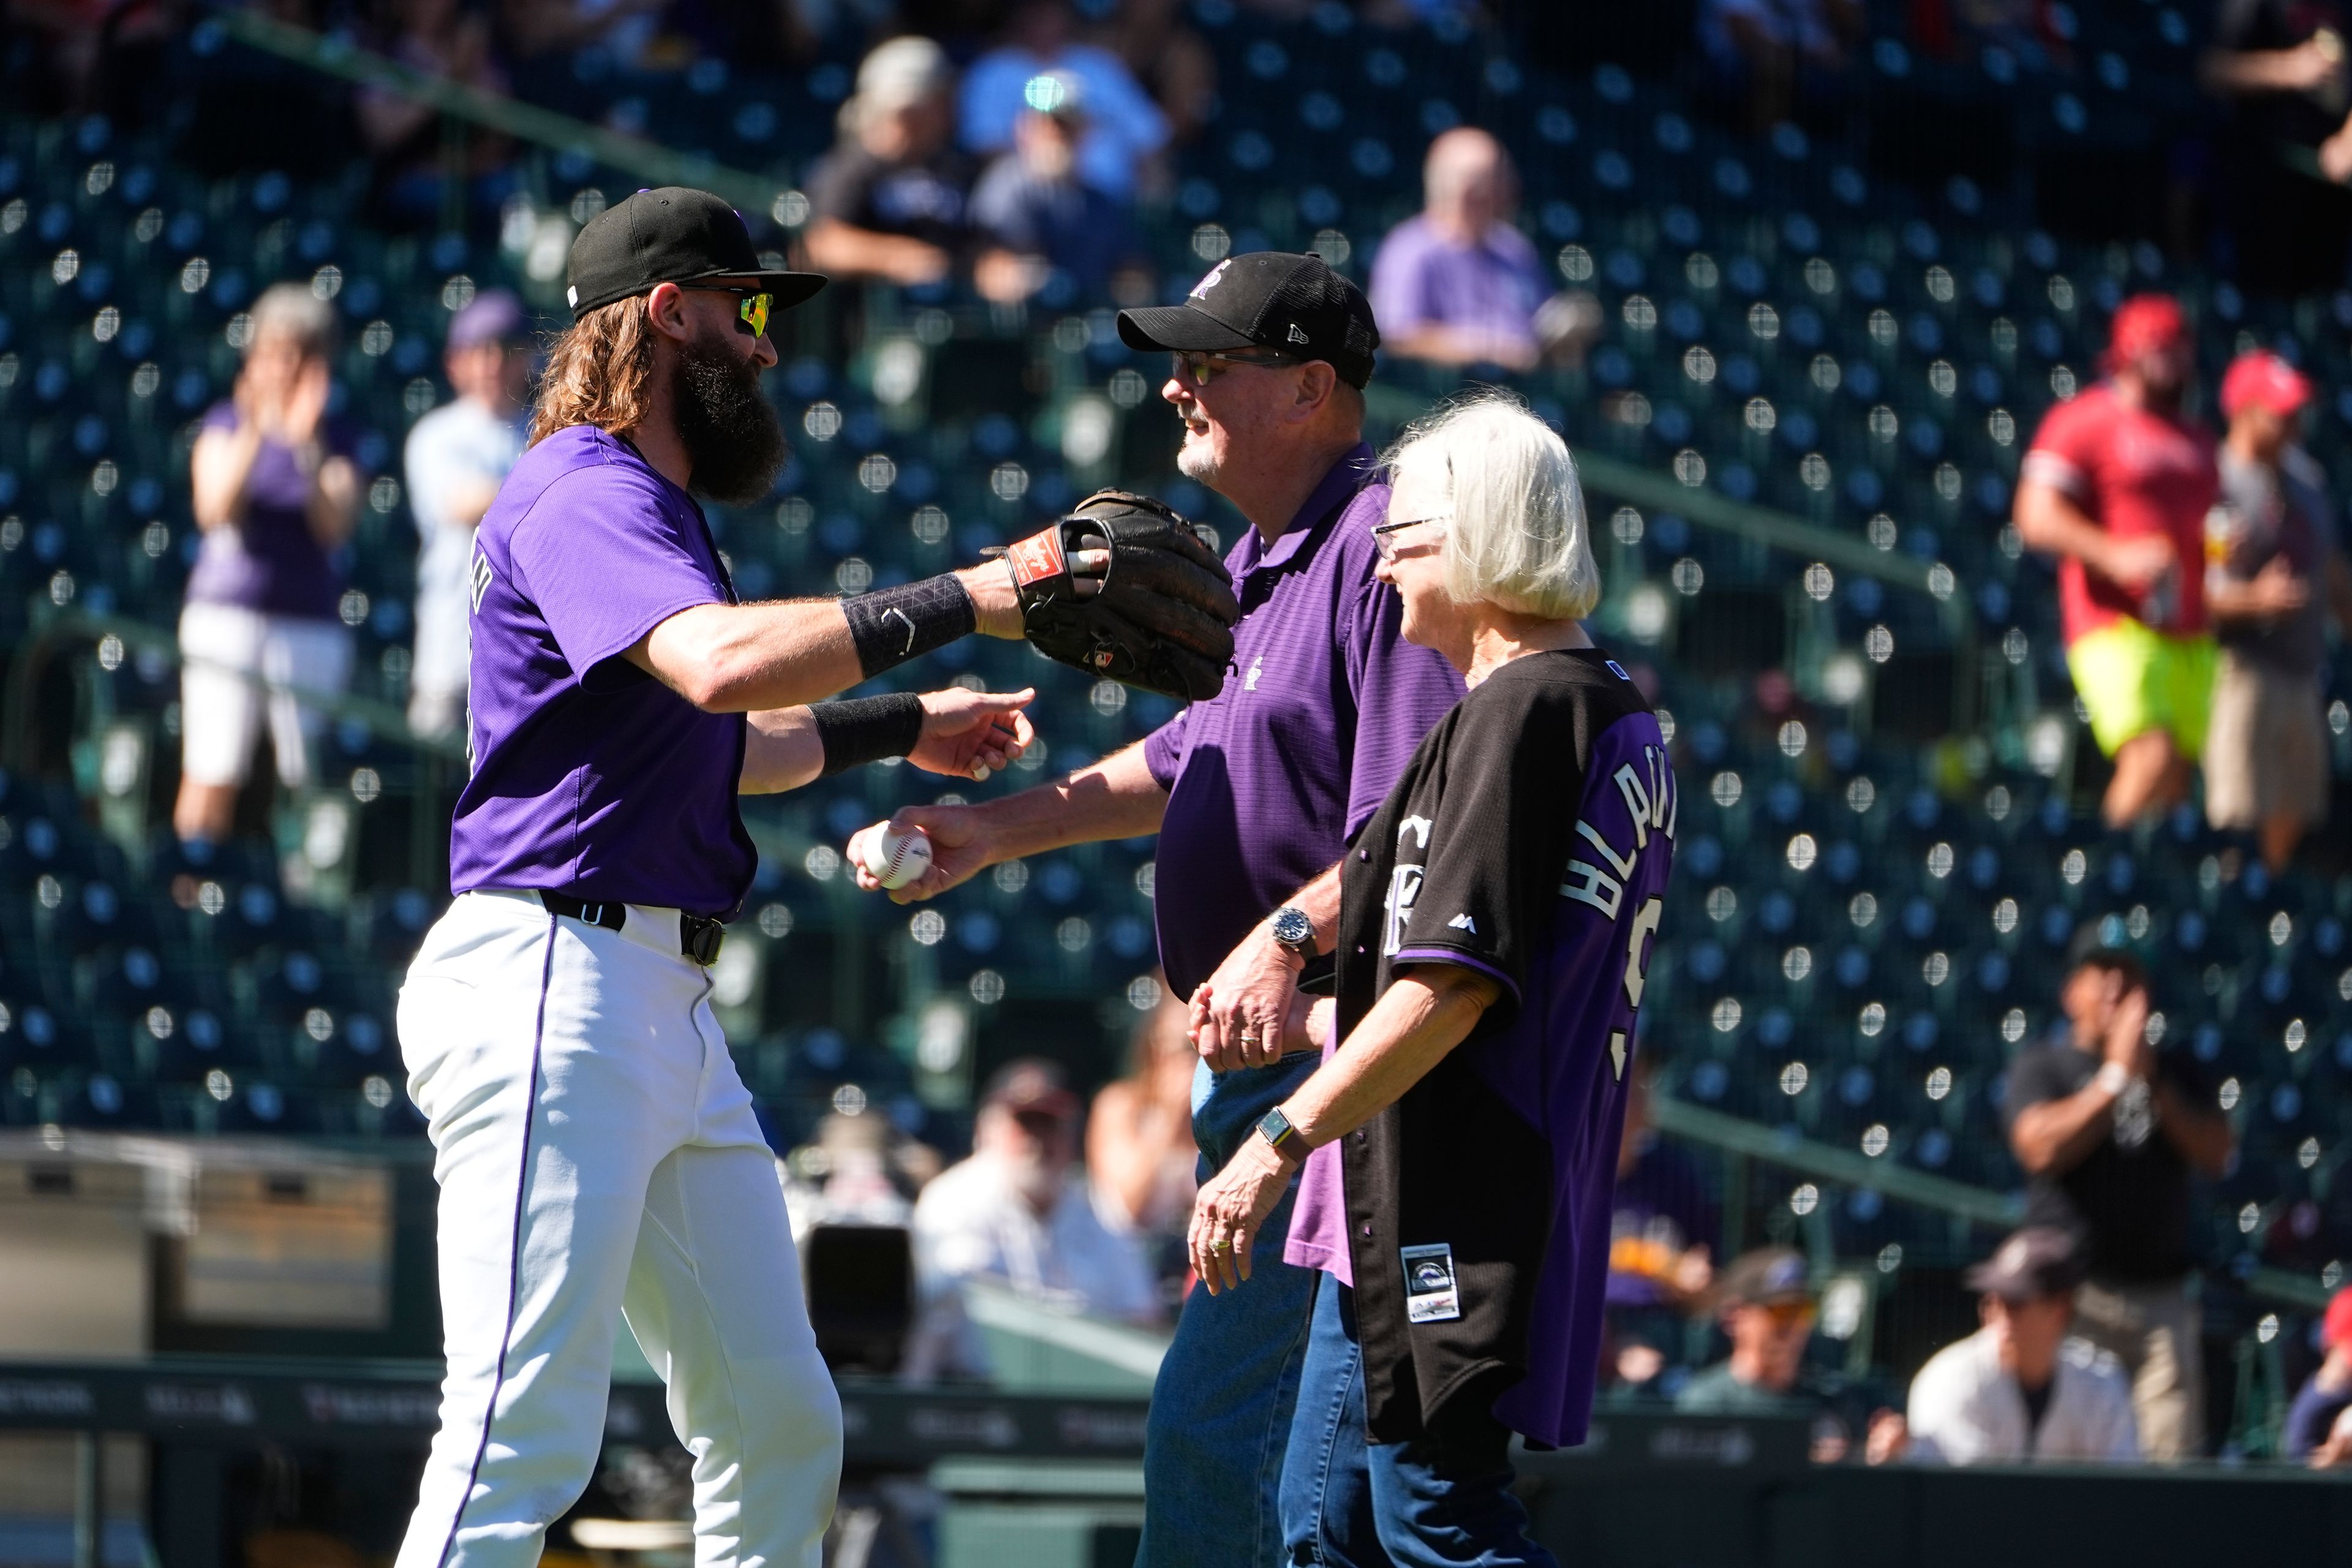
[{"x": 895, "y": 859}]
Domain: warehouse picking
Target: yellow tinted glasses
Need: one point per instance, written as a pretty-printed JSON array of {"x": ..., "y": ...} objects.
[{"x": 752, "y": 317}]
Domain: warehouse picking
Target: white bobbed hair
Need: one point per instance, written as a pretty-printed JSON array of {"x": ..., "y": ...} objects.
[{"x": 1517, "y": 539}]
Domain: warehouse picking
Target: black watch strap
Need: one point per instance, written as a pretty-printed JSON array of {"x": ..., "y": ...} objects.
[{"x": 1295, "y": 930}]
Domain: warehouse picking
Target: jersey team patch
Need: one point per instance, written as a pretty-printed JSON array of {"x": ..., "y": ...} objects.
[
  {"x": 1431, "y": 1295},
  {"x": 1036, "y": 558}
]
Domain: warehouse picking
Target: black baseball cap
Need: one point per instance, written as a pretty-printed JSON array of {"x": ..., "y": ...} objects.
[
  {"x": 1266, "y": 300},
  {"x": 674, "y": 233},
  {"x": 2100, "y": 943},
  {"x": 2036, "y": 1262},
  {"x": 1768, "y": 1276}
]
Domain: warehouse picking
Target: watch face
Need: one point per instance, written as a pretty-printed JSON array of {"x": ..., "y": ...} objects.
[{"x": 1293, "y": 929}]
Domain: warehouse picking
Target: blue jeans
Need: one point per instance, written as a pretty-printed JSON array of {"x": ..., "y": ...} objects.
[
  {"x": 1441, "y": 1500},
  {"x": 1221, "y": 1411}
]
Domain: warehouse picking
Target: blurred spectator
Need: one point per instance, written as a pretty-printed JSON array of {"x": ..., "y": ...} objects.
[
  {"x": 1125, "y": 130},
  {"x": 1037, "y": 220},
  {"x": 275, "y": 490},
  {"x": 2280, "y": 64},
  {"x": 404, "y": 136},
  {"x": 888, "y": 201},
  {"x": 2109, "y": 1130},
  {"x": 1168, "y": 58},
  {"x": 1768, "y": 1310},
  {"x": 2116, "y": 485},
  {"x": 1659, "y": 1264},
  {"x": 1458, "y": 284},
  {"x": 2336, "y": 1453},
  {"x": 626, "y": 27},
  {"x": 457, "y": 458},
  {"x": 2017, "y": 1390},
  {"x": 1140, "y": 1155},
  {"x": 98, "y": 56},
  {"x": 857, "y": 1170},
  {"x": 2320, "y": 1403},
  {"x": 1019, "y": 1213},
  {"x": 2272, "y": 557},
  {"x": 1771, "y": 56}
]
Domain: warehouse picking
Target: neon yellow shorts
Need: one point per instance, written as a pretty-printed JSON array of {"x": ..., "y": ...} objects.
[{"x": 2135, "y": 680}]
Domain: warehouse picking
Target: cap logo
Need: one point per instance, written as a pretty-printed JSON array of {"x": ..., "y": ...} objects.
[
  {"x": 572, "y": 296},
  {"x": 1296, "y": 335},
  {"x": 2013, "y": 1257},
  {"x": 1200, "y": 290}
]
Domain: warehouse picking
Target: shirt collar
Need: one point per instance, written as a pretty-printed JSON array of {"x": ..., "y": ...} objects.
[{"x": 1349, "y": 475}]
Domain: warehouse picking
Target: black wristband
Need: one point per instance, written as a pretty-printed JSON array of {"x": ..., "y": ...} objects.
[
  {"x": 867, "y": 729},
  {"x": 892, "y": 626}
]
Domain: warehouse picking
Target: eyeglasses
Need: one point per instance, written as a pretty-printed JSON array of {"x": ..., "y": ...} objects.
[
  {"x": 1787, "y": 1314},
  {"x": 1384, "y": 534},
  {"x": 752, "y": 317},
  {"x": 1200, "y": 368}
]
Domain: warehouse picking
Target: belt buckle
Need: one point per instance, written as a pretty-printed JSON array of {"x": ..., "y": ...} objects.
[{"x": 703, "y": 938}]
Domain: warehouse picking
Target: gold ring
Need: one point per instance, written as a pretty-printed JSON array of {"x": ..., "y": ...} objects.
[{"x": 1220, "y": 1245}]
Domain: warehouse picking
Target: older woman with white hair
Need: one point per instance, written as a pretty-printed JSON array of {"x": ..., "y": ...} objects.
[
  {"x": 276, "y": 488},
  {"x": 1459, "y": 1143}
]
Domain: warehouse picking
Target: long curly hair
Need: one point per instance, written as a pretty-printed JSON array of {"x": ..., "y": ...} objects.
[{"x": 599, "y": 372}]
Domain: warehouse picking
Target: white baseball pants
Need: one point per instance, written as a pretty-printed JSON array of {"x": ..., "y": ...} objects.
[{"x": 598, "y": 1157}]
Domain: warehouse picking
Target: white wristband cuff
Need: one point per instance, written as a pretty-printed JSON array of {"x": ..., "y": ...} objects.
[{"x": 2113, "y": 1078}]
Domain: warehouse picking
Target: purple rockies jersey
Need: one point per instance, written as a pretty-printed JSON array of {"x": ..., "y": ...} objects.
[
  {"x": 1529, "y": 839},
  {"x": 1269, "y": 778},
  {"x": 590, "y": 777}
]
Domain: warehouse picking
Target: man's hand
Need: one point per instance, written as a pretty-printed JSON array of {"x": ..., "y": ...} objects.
[
  {"x": 972, "y": 735},
  {"x": 2305, "y": 68},
  {"x": 2126, "y": 1042},
  {"x": 2134, "y": 563},
  {"x": 1889, "y": 1439},
  {"x": 961, "y": 848},
  {"x": 2277, "y": 590},
  {"x": 2335, "y": 154},
  {"x": 1241, "y": 1014}
]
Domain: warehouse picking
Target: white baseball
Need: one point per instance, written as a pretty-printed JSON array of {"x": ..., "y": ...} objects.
[{"x": 895, "y": 859}]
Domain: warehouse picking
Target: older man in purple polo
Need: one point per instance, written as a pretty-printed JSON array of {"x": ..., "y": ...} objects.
[{"x": 1254, "y": 794}]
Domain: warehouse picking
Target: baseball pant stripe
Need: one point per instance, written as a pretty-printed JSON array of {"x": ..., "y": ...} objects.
[
  {"x": 514, "y": 1265},
  {"x": 648, "y": 1196}
]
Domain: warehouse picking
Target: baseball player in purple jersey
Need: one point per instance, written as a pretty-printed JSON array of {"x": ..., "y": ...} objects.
[
  {"x": 1459, "y": 1141},
  {"x": 597, "y": 1155}
]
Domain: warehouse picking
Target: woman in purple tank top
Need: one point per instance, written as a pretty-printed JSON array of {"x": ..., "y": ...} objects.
[{"x": 275, "y": 491}]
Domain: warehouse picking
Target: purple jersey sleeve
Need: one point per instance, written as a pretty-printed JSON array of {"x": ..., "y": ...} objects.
[
  {"x": 1401, "y": 691},
  {"x": 607, "y": 561},
  {"x": 1163, "y": 750}
]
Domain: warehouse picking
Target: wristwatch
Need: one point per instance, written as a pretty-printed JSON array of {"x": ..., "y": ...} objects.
[
  {"x": 1281, "y": 1136},
  {"x": 2113, "y": 1078},
  {"x": 1295, "y": 931}
]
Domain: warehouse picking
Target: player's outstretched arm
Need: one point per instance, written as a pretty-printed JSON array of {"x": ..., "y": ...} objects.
[
  {"x": 1114, "y": 798},
  {"x": 956, "y": 732},
  {"x": 745, "y": 658}
]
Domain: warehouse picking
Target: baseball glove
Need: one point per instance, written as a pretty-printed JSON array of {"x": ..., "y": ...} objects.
[{"x": 1162, "y": 618}]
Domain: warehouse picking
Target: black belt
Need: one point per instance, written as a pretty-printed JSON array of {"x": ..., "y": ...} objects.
[{"x": 698, "y": 936}]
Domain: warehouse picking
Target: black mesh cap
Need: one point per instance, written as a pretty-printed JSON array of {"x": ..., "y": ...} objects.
[
  {"x": 675, "y": 234},
  {"x": 1268, "y": 300}
]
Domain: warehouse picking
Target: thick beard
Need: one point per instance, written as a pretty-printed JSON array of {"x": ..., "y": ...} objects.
[{"x": 734, "y": 443}]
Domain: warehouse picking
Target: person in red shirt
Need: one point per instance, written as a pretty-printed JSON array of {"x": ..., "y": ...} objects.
[{"x": 2116, "y": 485}]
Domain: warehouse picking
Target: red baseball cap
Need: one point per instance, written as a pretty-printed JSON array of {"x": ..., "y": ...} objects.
[
  {"x": 2336, "y": 1328},
  {"x": 2144, "y": 323},
  {"x": 2261, "y": 379}
]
